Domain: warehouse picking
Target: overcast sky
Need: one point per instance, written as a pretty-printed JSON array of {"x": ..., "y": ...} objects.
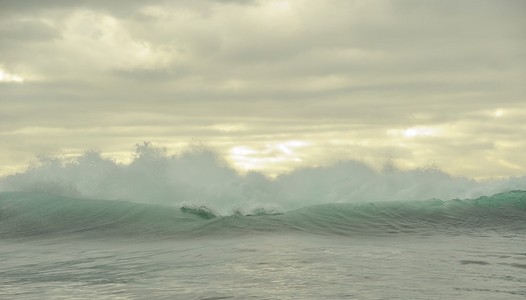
[{"x": 272, "y": 85}]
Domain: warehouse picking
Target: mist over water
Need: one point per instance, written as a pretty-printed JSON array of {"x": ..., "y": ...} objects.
[{"x": 198, "y": 176}]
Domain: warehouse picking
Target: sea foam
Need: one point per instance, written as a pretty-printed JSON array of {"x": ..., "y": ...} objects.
[{"x": 199, "y": 177}]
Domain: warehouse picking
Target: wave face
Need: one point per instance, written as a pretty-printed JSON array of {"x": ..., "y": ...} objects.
[
  {"x": 198, "y": 177},
  {"x": 26, "y": 215},
  {"x": 195, "y": 193}
]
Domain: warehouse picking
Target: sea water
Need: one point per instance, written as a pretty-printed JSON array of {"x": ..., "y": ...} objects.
[
  {"x": 56, "y": 247},
  {"x": 190, "y": 227}
]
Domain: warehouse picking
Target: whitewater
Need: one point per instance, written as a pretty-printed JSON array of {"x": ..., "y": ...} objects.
[{"x": 191, "y": 227}]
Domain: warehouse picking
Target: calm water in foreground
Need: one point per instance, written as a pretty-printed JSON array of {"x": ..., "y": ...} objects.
[{"x": 266, "y": 266}]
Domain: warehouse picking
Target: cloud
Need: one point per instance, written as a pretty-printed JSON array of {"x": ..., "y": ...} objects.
[{"x": 339, "y": 75}]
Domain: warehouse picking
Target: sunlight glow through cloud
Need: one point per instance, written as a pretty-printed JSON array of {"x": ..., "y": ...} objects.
[
  {"x": 7, "y": 77},
  {"x": 419, "y": 131},
  {"x": 275, "y": 157},
  {"x": 414, "y": 132}
]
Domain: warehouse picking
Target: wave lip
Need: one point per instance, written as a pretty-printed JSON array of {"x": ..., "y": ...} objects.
[{"x": 24, "y": 215}]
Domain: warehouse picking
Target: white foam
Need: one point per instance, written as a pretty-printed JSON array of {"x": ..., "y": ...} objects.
[{"x": 199, "y": 176}]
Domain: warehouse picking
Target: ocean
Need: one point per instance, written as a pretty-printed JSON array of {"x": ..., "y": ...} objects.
[
  {"x": 59, "y": 247},
  {"x": 190, "y": 227}
]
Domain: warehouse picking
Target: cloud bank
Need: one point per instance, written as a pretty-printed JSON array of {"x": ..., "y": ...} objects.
[{"x": 273, "y": 85}]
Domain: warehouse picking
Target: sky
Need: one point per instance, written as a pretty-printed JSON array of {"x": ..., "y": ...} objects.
[{"x": 271, "y": 85}]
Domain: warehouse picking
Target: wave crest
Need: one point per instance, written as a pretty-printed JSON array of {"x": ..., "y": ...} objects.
[
  {"x": 39, "y": 215},
  {"x": 198, "y": 177}
]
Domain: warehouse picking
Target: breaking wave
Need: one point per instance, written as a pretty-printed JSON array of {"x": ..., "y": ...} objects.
[
  {"x": 24, "y": 215},
  {"x": 198, "y": 178}
]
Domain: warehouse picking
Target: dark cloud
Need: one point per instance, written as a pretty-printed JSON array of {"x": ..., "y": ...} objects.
[{"x": 26, "y": 32}]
